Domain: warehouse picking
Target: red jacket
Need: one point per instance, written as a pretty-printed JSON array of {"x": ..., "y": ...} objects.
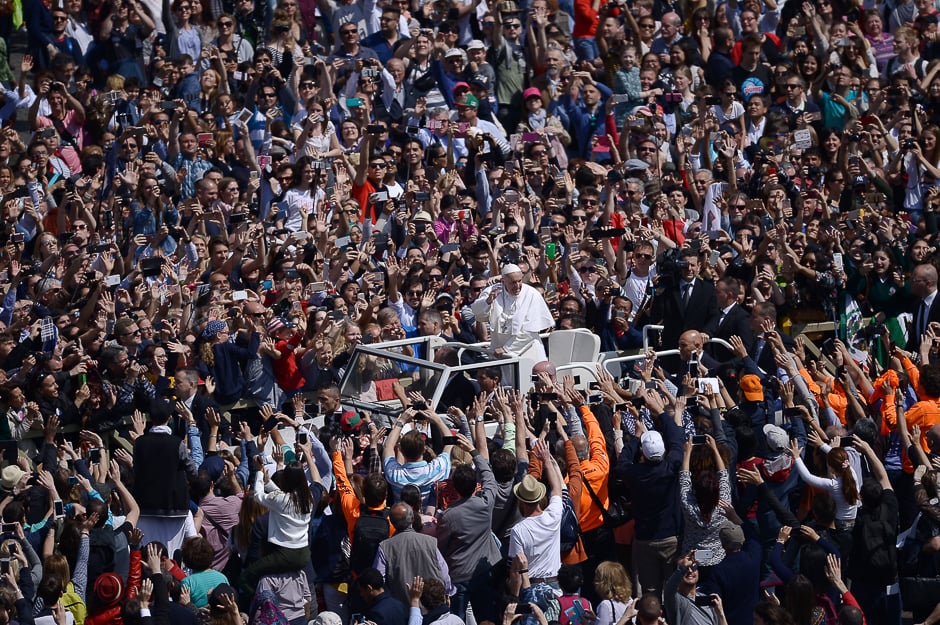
[{"x": 112, "y": 614}]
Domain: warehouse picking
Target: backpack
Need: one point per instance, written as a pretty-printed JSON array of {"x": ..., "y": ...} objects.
[
  {"x": 371, "y": 529},
  {"x": 570, "y": 527},
  {"x": 73, "y": 602}
]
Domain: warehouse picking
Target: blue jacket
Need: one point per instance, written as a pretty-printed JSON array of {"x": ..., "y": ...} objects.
[
  {"x": 584, "y": 124},
  {"x": 229, "y": 361},
  {"x": 657, "y": 482},
  {"x": 387, "y": 610}
]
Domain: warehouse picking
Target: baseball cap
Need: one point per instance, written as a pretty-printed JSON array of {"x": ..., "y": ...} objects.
[
  {"x": 532, "y": 92},
  {"x": 652, "y": 445},
  {"x": 422, "y": 216},
  {"x": 460, "y": 85},
  {"x": 731, "y": 536},
  {"x": 278, "y": 323},
  {"x": 11, "y": 476},
  {"x": 469, "y": 100},
  {"x": 453, "y": 52},
  {"x": 751, "y": 388},
  {"x": 635, "y": 164},
  {"x": 480, "y": 80},
  {"x": 776, "y": 437},
  {"x": 350, "y": 421},
  {"x": 476, "y": 44}
]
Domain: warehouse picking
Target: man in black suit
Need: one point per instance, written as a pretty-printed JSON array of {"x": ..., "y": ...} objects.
[
  {"x": 187, "y": 392},
  {"x": 732, "y": 319},
  {"x": 926, "y": 309},
  {"x": 688, "y": 305},
  {"x": 764, "y": 319}
]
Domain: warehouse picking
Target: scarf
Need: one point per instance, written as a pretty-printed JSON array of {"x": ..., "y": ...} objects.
[
  {"x": 537, "y": 119},
  {"x": 434, "y": 614},
  {"x": 265, "y": 610}
]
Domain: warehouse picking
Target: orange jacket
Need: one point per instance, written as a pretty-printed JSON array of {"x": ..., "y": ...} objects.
[
  {"x": 596, "y": 470},
  {"x": 348, "y": 500}
]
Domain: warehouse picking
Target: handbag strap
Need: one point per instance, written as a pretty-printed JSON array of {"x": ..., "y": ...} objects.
[
  {"x": 221, "y": 530},
  {"x": 597, "y": 500}
]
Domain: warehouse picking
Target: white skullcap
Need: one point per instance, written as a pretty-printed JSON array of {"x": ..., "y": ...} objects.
[{"x": 510, "y": 268}]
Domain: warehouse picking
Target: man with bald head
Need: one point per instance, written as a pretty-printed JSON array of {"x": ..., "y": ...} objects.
[
  {"x": 926, "y": 309},
  {"x": 516, "y": 313},
  {"x": 408, "y": 554},
  {"x": 691, "y": 345},
  {"x": 670, "y": 32}
]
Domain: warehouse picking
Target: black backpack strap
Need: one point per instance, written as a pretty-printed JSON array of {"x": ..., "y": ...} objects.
[{"x": 597, "y": 500}]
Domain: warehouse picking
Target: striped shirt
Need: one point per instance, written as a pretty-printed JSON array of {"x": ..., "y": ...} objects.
[{"x": 422, "y": 474}]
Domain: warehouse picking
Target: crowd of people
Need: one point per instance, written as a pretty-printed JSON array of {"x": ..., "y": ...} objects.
[{"x": 218, "y": 202}]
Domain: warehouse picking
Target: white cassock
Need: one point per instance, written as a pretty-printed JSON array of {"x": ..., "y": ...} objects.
[{"x": 515, "y": 321}]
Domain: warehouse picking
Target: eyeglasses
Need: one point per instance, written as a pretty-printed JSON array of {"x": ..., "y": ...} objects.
[
  {"x": 793, "y": 86},
  {"x": 308, "y": 85},
  {"x": 587, "y": 270},
  {"x": 589, "y": 202},
  {"x": 539, "y": 152},
  {"x": 580, "y": 217},
  {"x": 226, "y": 24},
  {"x": 436, "y": 276},
  {"x": 348, "y": 31},
  {"x": 650, "y": 26},
  {"x": 59, "y": 18},
  {"x": 185, "y": 8},
  {"x": 414, "y": 292},
  {"x": 134, "y": 333},
  {"x": 80, "y": 227},
  {"x": 512, "y": 25},
  {"x": 378, "y": 165},
  {"x": 646, "y": 149},
  {"x": 268, "y": 94}
]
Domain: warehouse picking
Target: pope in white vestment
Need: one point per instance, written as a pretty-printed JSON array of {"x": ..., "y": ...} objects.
[{"x": 516, "y": 313}]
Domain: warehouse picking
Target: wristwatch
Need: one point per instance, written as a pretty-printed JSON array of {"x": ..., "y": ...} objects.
[
  {"x": 399, "y": 424},
  {"x": 479, "y": 420}
]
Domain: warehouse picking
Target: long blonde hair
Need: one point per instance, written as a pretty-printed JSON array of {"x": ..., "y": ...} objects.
[{"x": 611, "y": 582}]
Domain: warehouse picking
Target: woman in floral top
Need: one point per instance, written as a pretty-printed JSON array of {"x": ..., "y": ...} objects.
[{"x": 700, "y": 510}]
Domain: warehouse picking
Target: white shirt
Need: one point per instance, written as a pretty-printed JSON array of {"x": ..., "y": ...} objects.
[
  {"x": 724, "y": 313},
  {"x": 287, "y": 527},
  {"x": 634, "y": 288},
  {"x": 539, "y": 538}
]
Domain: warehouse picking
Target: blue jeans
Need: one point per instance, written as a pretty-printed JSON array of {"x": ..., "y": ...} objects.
[
  {"x": 478, "y": 591},
  {"x": 586, "y": 49}
]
